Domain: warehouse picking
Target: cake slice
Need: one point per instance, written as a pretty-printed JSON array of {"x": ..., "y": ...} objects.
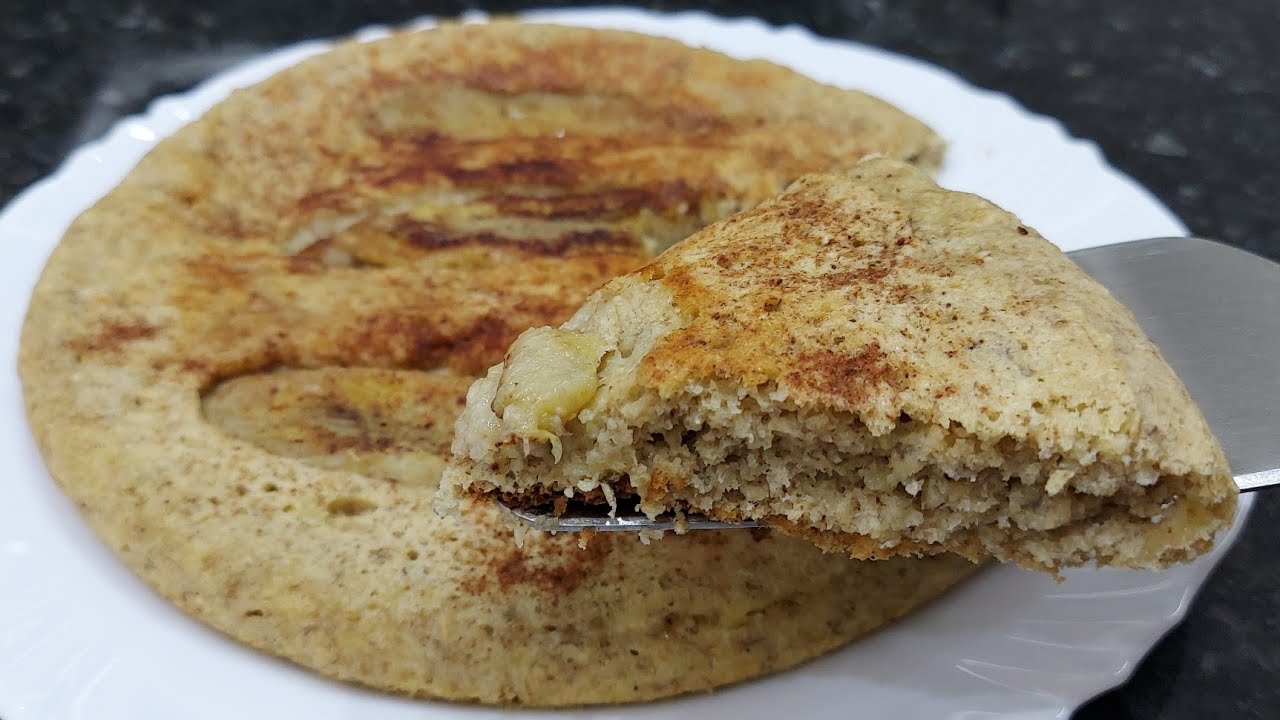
[{"x": 875, "y": 363}]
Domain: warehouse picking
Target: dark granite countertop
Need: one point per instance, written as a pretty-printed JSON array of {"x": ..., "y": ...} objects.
[{"x": 1183, "y": 95}]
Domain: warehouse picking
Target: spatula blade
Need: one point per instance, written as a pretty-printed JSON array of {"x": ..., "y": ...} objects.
[{"x": 1214, "y": 312}]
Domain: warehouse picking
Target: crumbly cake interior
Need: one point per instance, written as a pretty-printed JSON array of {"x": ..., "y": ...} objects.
[
  {"x": 731, "y": 452},
  {"x": 1032, "y": 464}
]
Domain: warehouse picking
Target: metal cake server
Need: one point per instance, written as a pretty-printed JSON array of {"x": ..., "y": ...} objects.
[{"x": 1214, "y": 312}]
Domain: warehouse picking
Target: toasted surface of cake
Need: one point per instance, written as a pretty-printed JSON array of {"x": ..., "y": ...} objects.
[
  {"x": 243, "y": 364},
  {"x": 877, "y": 364}
]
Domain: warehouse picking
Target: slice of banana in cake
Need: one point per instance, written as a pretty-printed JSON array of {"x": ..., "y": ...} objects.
[{"x": 872, "y": 362}]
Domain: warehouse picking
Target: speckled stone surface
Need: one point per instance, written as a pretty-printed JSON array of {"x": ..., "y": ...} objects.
[{"x": 1184, "y": 95}]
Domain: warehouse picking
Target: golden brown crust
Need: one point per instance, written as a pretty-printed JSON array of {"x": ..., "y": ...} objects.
[
  {"x": 238, "y": 361},
  {"x": 897, "y": 367}
]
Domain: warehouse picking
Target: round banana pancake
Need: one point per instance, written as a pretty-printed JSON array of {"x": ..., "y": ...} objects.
[{"x": 243, "y": 364}]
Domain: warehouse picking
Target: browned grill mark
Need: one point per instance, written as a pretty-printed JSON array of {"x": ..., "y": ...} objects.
[
  {"x": 571, "y": 163},
  {"x": 419, "y": 163},
  {"x": 599, "y": 204},
  {"x": 532, "y": 171},
  {"x": 111, "y": 336},
  {"x": 415, "y": 341},
  {"x": 432, "y": 236}
]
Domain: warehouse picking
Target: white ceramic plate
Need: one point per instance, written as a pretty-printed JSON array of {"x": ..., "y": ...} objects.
[{"x": 81, "y": 637}]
